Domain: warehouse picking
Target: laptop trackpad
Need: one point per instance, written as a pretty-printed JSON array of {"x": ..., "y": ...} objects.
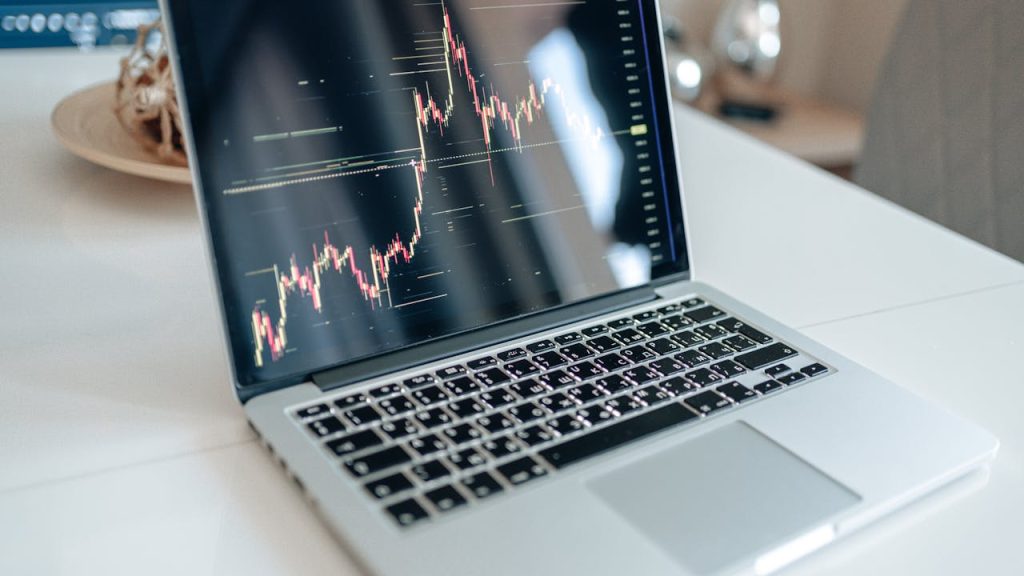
[{"x": 729, "y": 494}]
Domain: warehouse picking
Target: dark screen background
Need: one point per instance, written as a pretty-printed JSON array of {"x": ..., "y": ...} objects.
[{"x": 349, "y": 216}]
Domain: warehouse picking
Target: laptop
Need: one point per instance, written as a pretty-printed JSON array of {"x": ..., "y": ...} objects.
[{"x": 449, "y": 243}]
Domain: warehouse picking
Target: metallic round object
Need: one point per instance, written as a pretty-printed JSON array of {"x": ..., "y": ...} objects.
[{"x": 747, "y": 37}]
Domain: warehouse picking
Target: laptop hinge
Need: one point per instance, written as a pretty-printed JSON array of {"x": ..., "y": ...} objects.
[{"x": 477, "y": 339}]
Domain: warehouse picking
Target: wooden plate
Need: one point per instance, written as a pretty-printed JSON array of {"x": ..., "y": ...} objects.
[{"x": 85, "y": 124}]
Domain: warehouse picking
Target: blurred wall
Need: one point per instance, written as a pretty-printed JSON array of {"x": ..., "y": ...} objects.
[{"x": 832, "y": 49}]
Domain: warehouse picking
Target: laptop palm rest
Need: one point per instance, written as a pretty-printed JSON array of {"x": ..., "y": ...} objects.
[{"x": 728, "y": 494}]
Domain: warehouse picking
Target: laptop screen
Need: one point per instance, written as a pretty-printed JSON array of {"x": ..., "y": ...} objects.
[{"x": 379, "y": 173}]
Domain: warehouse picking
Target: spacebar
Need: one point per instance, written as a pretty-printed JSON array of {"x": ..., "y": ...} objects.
[{"x": 616, "y": 435}]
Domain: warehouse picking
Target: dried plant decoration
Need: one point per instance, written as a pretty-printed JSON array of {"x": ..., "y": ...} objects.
[{"x": 146, "y": 103}]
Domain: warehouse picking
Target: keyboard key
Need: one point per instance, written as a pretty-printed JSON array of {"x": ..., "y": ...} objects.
[
  {"x": 526, "y": 412},
  {"x": 678, "y": 387},
  {"x": 450, "y": 372},
  {"x": 611, "y": 362},
  {"x": 482, "y": 485},
  {"x": 637, "y": 354},
  {"x": 707, "y": 402},
  {"x": 446, "y": 498},
  {"x": 528, "y": 388},
  {"x": 407, "y": 512},
  {"x": 586, "y": 393},
  {"x": 814, "y": 370},
  {"x": 592, "y": 331},
  {"x": 466, "y": 408},
  {"x": 432, "y": 418},
  {"x": 461, "y": 434},
  {"x": 513, "y": 354},
  {"x": 558, "y": 402},
  {"x": 351, "y": 401},
  {"x": 521, "y": 368},
  {"x": 430, "y": 471},
  {"x": 495, "y": 422},
  {"x": 534, "y": 435},
  {"x": 777, "y": 369},
  {"x": 603, "y": 344},
  {"x": 670, "y": 309},
  {"x": 641, "y": 375},
  {"x": 549, "y": 359},
  {"x": 521, "y": 471},
  {"x": 687, "y": 339},
  {"x": 692, "y": 358},
  {"x": 645, "y": 316},
  {"x": 733, "y": 325},
  {"x": 692, "y": 303},
  {"x": 667, "y": 366},
  {"x": 566, "y": 424},
  {"x": 613, "y": 383},
  {"x": 648, "y": 395},
  {"x": 594, "y": 415},
  {"x": 767, "y": 386},
  {"x": 468, "y": 458},
  {"x": 497, "y": 398},
  {"x": 701, "y": 315},
  {"x": 385, "y": 390},
  {"x": 569, "y": 338},
  {"x": 421, "y": 380},
  {"x": 629, "y": 336},
  {"x": 738, "y": 343},
  {"x": 792, "y": 378},
  {"x": 716, "y": 350},
  {"x": 738, "y": 393},
  {"x": 481, "y": 363},
  {"x": 710, "y": 332},
  {"x": 542, "y": 346},
  {"x": 622, "y": 405},
  {"x": 362, "y": 415},
  {"x": 677, "y": 322},
  {"x": 377, "y": 461},
  {"x": 461, "y": 386},
  {"x": 313, "y": 411},
  {"x": 652, "y": 329},
  {"x": 768, "y": 355},
  {"x": 501, "y": 446},
  {"x": 389, "y": 486},
  {"x": 576, "y": 352},
  {"x": 430, "y": 395},
  {"x": 620, "y": 323},
  {"x": 326, "y": 426},
  {"x": 728, "y": 368},
  {"x": 663, "y": 346},
  {"x": 610, "y": 437},
  {"x": 395, "y": 406},
  {"x": 556, "y": 379},
  {"x": 703, "y": 377},
  {"x": 584, "y": 370},
  {"x": 427, "y": 444},
  {"x": 492, "y": 377},
  {"x": 399, "y": 428}
]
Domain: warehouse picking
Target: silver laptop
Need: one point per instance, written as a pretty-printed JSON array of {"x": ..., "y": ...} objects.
[{"x": 450, "y": 250}]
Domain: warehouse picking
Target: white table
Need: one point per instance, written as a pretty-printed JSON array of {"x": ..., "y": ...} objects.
[{"x": 123, "y": 450}]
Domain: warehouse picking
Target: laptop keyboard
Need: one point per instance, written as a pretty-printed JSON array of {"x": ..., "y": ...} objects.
[{"x": 440, "y": 441}]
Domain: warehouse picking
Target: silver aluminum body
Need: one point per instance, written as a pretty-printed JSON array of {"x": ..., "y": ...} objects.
[{"x": 880, "y": 441}]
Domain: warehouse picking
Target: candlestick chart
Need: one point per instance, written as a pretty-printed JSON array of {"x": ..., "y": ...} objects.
[{"x": 461, "y": 98}]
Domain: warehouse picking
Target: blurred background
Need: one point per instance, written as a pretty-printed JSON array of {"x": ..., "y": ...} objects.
[
  {"x": 916, "y": 100},
  {"x": 830, "y": 55}
]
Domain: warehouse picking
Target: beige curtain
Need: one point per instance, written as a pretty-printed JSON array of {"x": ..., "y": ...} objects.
[{"x": 945, "y": 133}]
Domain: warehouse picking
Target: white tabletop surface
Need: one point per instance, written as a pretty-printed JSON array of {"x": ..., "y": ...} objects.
[{"x": 124, "y": 451}]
